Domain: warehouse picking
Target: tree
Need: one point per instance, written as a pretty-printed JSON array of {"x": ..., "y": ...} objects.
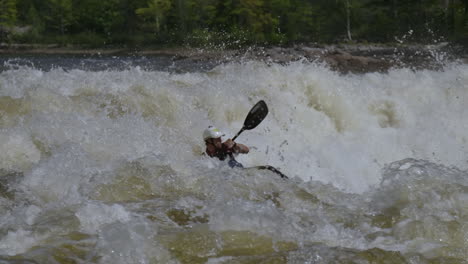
[
  {"x": 129, "y": 21},
  {"x": 222, "y": 21},
  {"x": 253, "y": 19},
  {"x": 7, "y": 13},
  {"x": 200, "y": 13},
  {"x": 298, "y": 20},
  {"x": 7, "y": 17},
  {"x": 348, "y": 20},
  {"x": 59, "y": 15},
  {"x": 156, "y": 12},
  {"x": 101, "y": 17},
  {"x": 33, "y": 19},
  {"x": 450, "y": 16}
]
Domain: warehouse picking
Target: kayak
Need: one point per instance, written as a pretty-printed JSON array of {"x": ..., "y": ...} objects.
[
  {"x": 235, "y": 164},
  {"x": 270, "y": 168}
]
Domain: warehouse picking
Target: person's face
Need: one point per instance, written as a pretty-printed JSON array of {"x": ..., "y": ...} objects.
[{"x": 215, "y": 142}]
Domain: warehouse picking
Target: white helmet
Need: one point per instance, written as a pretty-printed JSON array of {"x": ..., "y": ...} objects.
[{"x": 212, "y": 132}]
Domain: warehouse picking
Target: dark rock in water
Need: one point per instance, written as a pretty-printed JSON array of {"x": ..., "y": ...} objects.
[
  {"x": 15, "y": 260},
  {"x": 364, "y": 58},
  {"x": 344, "y": 58},
  {"x": 345, "y": 62},
  {"x": 281, "y": 55},
  {"x": 7, "y": 178}
]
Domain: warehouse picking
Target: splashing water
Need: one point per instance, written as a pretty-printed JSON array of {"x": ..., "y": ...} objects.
[{"x": 105, "y": 166}]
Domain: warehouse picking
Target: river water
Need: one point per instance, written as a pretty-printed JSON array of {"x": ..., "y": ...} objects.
[{"x": 101, "y": 162}]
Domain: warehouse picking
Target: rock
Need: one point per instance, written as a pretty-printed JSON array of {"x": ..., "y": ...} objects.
[
  {"x": 313, "y": 53},
  {"x": 8, "y": 178},
  {"x": 281, "y": 55},
  {"x": 356, "y": 58},
  {"x": 345, "y": 63}
]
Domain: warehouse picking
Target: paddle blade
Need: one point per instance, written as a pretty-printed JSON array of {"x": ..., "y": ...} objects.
[{"x": 256, "y": 115}]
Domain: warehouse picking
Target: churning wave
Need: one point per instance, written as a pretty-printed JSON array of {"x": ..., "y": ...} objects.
[{"x": 106, "y": 165}]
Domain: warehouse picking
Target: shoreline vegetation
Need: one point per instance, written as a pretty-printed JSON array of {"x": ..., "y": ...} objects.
[
  {"x": 354, "y": 35},
  {"x": 230, "y": 24},
  {"x": 344, "y": 58}
]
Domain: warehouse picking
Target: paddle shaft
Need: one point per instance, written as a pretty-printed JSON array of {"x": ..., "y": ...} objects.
[
  {"x": 255, "y": 116},
  {"x": 238, "y": 133}
]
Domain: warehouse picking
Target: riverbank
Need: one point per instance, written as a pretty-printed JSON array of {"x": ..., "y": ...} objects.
[{"x": 355, "y": 58}]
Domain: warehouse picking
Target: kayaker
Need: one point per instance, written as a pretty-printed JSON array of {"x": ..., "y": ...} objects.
[{"x": 223, "y": 150}]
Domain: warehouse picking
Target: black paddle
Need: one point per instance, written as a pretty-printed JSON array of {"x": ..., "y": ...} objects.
[{"x": 256, "y": 115}]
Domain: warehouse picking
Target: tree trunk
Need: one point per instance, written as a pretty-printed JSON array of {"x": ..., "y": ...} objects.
[
  {"x": 395, "y": 14},
  {"x": 182, "y": 19},
  {"x": 450, "y": 17},
  {"x": 157, "y": 24},
  {"x": 465, "y": 20},
  {"x": 348, "y": 20},
  {"x": 465, "y": 2}
]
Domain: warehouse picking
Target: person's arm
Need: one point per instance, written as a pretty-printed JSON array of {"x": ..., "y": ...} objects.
[
  {"x": 210, "y": 150},
  {"x": 241, "y": 148},
  {"x": 236, "y": 148}
]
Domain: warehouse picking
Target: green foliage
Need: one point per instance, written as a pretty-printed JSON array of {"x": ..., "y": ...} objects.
[
  {"x": 156, "y": 12},
  {"x": 58, "y": 15},
  {"x": 233, "y": 23},
  {"x": 88, "y": 39},
  {"x": 7, "y": 13},
  {"x": 205, "y": 38},
  {"x": 35, "y": 21},
  {"x": 103, "y": 17}
]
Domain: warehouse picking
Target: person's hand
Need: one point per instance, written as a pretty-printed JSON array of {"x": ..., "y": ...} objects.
[{"x": 229, "y": 143}]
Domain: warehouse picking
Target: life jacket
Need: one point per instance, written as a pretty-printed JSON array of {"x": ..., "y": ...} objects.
[{"x": 222, "y": 153}]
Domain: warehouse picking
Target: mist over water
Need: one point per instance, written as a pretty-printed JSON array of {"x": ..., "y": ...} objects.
[{"x": 102, "y": 165}]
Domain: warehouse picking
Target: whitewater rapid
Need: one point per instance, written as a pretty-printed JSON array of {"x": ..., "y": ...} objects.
[
  {"x": 322, "y": 125},
  {"x": 109, "y": 162}
]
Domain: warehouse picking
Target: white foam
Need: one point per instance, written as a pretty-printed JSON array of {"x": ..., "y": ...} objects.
[
  {"x": 131, "y": 243},
  {"x": 94, "y": 216},
  {"x": 339, "y": 129},
  {"x": 60, "y": 177},
  {"x": 17, "y": 151},
  {"x": 17, "y": 242},
  {"x": 87, "y": 129}
]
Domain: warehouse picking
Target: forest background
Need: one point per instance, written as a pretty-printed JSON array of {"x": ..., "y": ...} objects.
[{"x": 230, "y": 23}]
